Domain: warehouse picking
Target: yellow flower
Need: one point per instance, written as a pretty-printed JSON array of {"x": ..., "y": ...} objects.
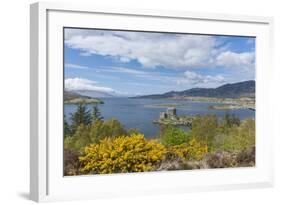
[
  {"x": 122, "y": 154},
  {"x": 193, "y": 150}
]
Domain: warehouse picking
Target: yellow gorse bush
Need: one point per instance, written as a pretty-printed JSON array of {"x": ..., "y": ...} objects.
[
  {"x": 193, "y": 150},
  {"x": 122, "y": 154}
]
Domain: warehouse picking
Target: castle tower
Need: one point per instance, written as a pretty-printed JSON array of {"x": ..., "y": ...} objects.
[
  {"x": 163, "y": 115},
  {"x": 172, "y": 112}
]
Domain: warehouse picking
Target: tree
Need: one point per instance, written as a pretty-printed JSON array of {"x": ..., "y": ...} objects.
[
  {"x": 66, "y": 127},
  {"x": 110, "y": 128},
  {"x": 205, "y": 128},
  {"x": 96, "y": 115},
  {"x": 94, "y": 133},
  {"x": 81, "y": 116},
  {"x": 230, "y": 120}
]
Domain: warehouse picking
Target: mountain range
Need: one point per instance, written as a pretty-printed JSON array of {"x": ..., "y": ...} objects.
[{"x": 234, "y": 90}]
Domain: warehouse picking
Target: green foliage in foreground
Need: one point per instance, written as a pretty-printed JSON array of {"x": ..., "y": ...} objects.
[
  {"x": 93, "y": 133},
  {"x": 230, "y": 120},
  {"x": 204, "y": 128},
  {"x": 94, "y": 145},
  {"x": 241, "y": 137},
  {"x": 134, "y": 153},
  {"x": 174, "y": 136}
]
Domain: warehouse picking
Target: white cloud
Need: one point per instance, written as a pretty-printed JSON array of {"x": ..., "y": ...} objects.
[
  {"x": 149, "y": 49},
  {"x": 84, "y": 84},
  {"x": 114, "y": 69},
  {"x": 193, "y": 78},
  {"x": 172, "y": 51},
  {"x": 230, "y": 59},
  {"x": 75, "y": 66},
  {"x": 158, "y": 49}
]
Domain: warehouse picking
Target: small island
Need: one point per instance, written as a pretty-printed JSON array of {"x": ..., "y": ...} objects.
[
  {"x": 74, "y": 98},
  {"x": 164, "y": 105},
  {"x": 170, "y": 118}
]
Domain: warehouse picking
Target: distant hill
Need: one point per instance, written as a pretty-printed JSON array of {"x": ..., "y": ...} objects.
[
  {"x": 94, "y": 93},
  {"x": 234, "y": 90},
  {"x": 71, "y": 97}
]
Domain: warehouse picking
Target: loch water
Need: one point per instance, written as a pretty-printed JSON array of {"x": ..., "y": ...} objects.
[{"x": 140, "y": 113}]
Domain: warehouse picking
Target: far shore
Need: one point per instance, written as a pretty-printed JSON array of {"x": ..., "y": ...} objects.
[
  {"x": 84, "y": 100},
  {"x": 223, "y": 103}
]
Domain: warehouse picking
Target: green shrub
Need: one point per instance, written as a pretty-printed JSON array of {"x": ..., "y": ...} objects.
[
  {"x": 174, "y": 136},
  {"x": 109, "y": 128},
  {"x": 122, "y": 154},
  {"x": 228, "y": 123},
  {"x": 204, "y": 128},
  {"x": 87, "y": 134},
  {"x": 240, "y": 138},
  {"x": 132, "y": 131},
  {"x": 79, "y": 139},
  {"x": 230, "y": 120}
]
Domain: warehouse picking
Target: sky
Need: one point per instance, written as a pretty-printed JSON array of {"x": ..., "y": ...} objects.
[{"x": 130, "y": 63}]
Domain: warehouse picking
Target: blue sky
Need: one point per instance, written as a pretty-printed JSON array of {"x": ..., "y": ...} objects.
[{"x": 127, "y": 63}]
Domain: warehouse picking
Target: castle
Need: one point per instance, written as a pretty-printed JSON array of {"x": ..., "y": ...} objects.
[{"x": 171, "y": 113}]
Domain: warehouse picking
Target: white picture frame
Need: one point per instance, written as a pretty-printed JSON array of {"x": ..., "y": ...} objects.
[{"x": 47, "y": 182}]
